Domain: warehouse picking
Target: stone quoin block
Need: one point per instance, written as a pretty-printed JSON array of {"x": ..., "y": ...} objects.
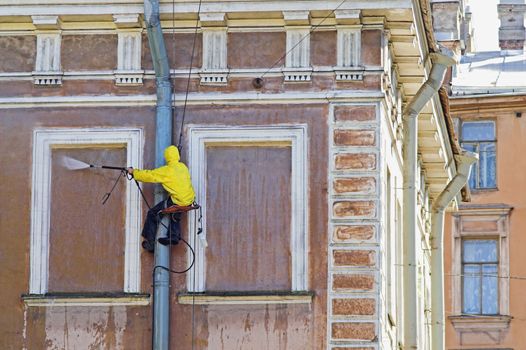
[
  {"x": 354, "y": 137},
  {"x": 352, "y": 282},
  {"x": 354, "y": 306},
  {"x": 353, "y": 330},
  {"x": 354, "y": 185},
  {"x": 364, "y": 258},
  {"x": 354, "y": 232},
  {"x": 354, "y": 113},
  {"x": 342, "y": 209},
  {"x": 355, "y": 161}
]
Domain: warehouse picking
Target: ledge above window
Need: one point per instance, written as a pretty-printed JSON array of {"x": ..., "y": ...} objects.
[
  {"x": 480, "y": 323},
  {"x": 85, "y": 299},
  {"x": 247, "y": 298}
]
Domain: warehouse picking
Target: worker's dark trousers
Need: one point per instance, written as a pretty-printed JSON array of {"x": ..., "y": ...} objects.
[{"x": 153, "y": 218}]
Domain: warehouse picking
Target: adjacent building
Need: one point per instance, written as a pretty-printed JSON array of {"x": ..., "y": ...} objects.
[
  {"x": 485, "y": 272},
  {"x": 307, "y": 240}
]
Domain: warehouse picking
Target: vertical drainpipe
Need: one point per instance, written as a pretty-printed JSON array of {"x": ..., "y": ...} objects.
[
  {"x": 409, "y": 153},
  {"x": 163, "y": 133},
  {"x": 464, "y": 162}
]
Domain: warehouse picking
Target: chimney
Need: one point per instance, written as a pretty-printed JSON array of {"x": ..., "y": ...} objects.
[{"x": 511, "y": 31}]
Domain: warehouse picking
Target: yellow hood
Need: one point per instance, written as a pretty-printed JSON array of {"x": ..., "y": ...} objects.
[{"x": 171, "y": 155}]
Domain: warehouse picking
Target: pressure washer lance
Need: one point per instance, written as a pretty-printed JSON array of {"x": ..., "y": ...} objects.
[{"x": 75, "y": 164}]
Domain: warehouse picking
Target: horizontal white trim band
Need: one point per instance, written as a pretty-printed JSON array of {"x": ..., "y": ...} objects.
[{"x": 193, "y": 98}]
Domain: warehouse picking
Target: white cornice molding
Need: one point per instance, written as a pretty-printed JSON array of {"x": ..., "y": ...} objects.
[
  {"x": 75, "y": 7},
  {"x": 193, "y": 99}
]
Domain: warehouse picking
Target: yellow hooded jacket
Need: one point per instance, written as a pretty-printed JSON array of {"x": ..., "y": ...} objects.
[{"x": 174, "y": 177}]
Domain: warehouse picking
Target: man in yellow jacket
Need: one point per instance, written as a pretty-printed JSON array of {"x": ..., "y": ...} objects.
[{"x": 175, "y": 179}]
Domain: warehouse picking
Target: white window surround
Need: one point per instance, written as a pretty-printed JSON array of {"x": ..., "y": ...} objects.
[
  {"x": 497, "y": 214},
  {"x": 44, "y": 140},
  {"x": 296, "y": 136}
]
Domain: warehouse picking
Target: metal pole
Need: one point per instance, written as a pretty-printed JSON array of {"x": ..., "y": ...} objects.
[
  {"x": 163, "y": 130},
  {"x": 161, "y": 296}
]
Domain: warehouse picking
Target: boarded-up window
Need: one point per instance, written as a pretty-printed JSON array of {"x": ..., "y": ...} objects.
[
  {"x": 248, "y": 195},
  {"x": 86, "y": 238}
]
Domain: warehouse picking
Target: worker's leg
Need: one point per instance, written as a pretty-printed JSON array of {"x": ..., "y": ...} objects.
[
  {"x": 174, "y": 233},
  {"x": 150, "y": 225}
]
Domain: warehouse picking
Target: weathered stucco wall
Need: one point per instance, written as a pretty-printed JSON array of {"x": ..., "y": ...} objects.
[
  {"x": 279, "y": 327},
  {"x": 36, "y": 327}
]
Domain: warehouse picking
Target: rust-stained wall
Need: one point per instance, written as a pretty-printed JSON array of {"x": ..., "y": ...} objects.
[
  {"x": 272, "y": 326},
  {"x": 511, "y": 166},
  {"x": 216, "y": 327},
  {"x": 323, "y": 47},
  {"x": 35, "y": 327},
  {"x": 372, "y": 47},
  {"x": 178, "y": 48},
  {"x": 89, "y": 52},
  {"x": 292, "y": 326},
  {"x": 266, "y": 49},
  {"x": 17, "y": 53}
]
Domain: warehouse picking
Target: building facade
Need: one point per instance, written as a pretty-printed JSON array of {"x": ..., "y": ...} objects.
[
  {"x": 484, "y": 270},
  {"x": 299, "y": 173}
]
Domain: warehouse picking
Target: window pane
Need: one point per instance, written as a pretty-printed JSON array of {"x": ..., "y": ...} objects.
[
  {"x": 471, "y": 293},
  {"x": 478, "y": 131},
  {"x": 479, "y": 250},
  {"x": 490, "y": 289},
  {"x": 472, "y": 147},
  {"x": 487, "y": 165}
]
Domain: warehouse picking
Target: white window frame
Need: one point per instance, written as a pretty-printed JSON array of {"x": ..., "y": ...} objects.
[
  {"x": 296, "y": 136},
  {"x": 44, "y": 141}
]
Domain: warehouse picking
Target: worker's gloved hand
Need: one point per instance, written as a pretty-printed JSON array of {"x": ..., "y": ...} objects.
[{"x": 129, "y": 170}]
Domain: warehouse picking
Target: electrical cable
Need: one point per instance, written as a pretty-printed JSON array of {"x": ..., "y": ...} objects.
[
  {"x": 302, "y": 39},
  {"x": 179, "y": 143},
  {"x": 168, "y": 229}
]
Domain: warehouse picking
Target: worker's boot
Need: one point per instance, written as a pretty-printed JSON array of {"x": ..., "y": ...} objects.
[
  {"x": 174, "y": 234},
  {"x": 148, "y": 245}
]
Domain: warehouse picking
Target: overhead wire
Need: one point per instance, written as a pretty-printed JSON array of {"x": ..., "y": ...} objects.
[
  {"x": 179, "y": 143},
  {"x": 303, "y": 38},
  {"x": 180, "y": 146}
]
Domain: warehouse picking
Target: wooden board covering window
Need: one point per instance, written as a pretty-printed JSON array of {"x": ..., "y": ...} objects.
[
  {"x": 87, "y": 238},
  {"x": 248, "y": 199}
]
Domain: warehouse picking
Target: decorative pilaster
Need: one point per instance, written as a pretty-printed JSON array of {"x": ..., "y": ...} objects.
[
  {"x": 47, "y": 65},
  {"x": 214, "y": 70},
  {"x": 297, "y": 61},
  {"x": 129, "y": 70},
  {"x": 349, "y": 46}
]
